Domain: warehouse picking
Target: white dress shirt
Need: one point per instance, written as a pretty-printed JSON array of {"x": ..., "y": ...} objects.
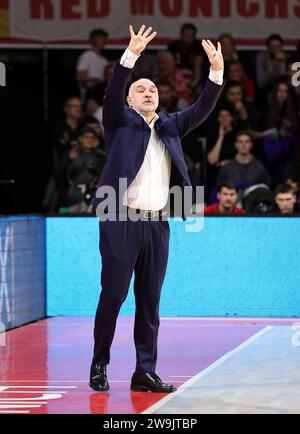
[{"x": 150, "y": 188}]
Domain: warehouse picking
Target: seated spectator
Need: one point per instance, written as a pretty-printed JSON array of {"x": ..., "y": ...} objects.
[
  {"x": 168, "y": 100},
  {"x": 64, "y": 134},
  {"x": 223, "y": 148},
  {"x": 281, "y": 115},
  {"x": 167, "y": 70},
  {"x": 188, "y": 54},
  {"x": 270, "y": 64},
  {"x": 82, "y": 167},
  {"x": 281, "y": 111},
  {"x": 285, "y": 198},
  {"x": 244, "y": 170},
  {"x": 236, "y": 73},
  {"x": 92, "y": 123},
  {"x": 91, "y": 64},
  {"x": 97, "y": 93},
  {"x": 227, "y": 196},
  {"x": 221, "y": 144},
  {"x": 229, "y": 51},
  {"x": 244, "y": 113}
]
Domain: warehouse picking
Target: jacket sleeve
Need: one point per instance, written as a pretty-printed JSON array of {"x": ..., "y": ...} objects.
[
  {"x": 114, "y": 98},
  {"x": 189, "y": 119}
]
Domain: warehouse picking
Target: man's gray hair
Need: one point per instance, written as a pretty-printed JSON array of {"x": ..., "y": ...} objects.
[{"x": 135, "y": 82}]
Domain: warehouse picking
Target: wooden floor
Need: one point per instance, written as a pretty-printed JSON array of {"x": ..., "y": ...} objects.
[
  {"x": 219, "y": 366},
  {"x": 260, "y": 376}
]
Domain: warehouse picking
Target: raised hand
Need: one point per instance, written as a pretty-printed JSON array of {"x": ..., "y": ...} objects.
[
  {"x": 214, "y": 54},
  {"x": 139, "y": 42}
]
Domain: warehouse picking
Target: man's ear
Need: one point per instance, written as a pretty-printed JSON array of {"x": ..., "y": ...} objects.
[{"x": 129, "y": 101}]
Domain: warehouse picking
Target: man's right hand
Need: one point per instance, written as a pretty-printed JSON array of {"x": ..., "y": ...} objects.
[{"x": 139, "y": 42}]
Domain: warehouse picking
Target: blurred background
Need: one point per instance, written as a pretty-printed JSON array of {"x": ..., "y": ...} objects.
[{"x": 60, "y": 54}]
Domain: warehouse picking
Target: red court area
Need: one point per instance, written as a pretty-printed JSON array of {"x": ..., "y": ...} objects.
[{"x": 44, "y": 367}]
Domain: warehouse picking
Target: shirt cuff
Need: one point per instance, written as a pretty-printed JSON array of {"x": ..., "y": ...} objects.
[
  {"x": 217, "y": 77},
  {"x": 128, "y": 59}
]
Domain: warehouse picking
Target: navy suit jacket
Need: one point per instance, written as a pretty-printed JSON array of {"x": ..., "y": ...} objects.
[{"x": 127, "y": 134}]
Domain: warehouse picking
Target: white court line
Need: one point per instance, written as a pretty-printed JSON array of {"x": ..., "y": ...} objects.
[
  {"x": 43, "y": 381},
  {"x": 38, "y": 387},
  {"x": 32, "y": 392},
  {"x": 14, "y": 412},
  {"x": 19, "y": 406},
  {"x": 18, "y": 401},
  {"x": 206, "y": 371}
]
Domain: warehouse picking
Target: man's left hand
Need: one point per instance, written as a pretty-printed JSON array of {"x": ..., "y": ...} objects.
[{"x": 214, "y": 55}]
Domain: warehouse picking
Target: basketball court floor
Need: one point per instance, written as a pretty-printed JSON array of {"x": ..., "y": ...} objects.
[{"x": 228, "y": 365}]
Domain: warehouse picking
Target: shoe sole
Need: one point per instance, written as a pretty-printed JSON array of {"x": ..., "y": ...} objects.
[
  {"x": 147, "y": 389},
  {"x": 96, "y": 389}
]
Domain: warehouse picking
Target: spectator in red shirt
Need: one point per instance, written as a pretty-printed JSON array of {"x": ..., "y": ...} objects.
[{"x": 227, "y": 196}]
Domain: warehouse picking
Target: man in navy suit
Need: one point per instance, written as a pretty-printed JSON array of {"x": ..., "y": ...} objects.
[{"x": 143, "y": 148}]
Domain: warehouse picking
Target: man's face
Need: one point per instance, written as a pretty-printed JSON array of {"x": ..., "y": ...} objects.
[
  {"x": 99, "y": 42},
  {"x": 282, "y": 93},
  {"x": 91, "y": 106},
  {"x": 143, "y": 96},
  {"x": 88, "y": 142},
  {"x": 166, "y": 63},
  {"x": 275, "y": 46},
  {"x": 188, "y": 36},
  {"x": 165, "y": 94},
  {"x": 235, "y": 72},
  {"x": 227, "y": 198},
  {"x": 227, "y": 45},
  {"x": 286, "y": 202},
  {"x": 225, "y": 119},
  {"x": 244, "y": 145},
  {"x": 74, "y": 108},
  {"x": 235, "y": 94}
]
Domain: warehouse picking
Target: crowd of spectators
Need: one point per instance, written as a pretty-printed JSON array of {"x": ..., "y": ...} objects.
[{"x": 247, "y": 154}]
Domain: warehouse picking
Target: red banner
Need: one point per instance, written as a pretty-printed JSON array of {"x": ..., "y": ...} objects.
[{"x": 70, "y": 21}]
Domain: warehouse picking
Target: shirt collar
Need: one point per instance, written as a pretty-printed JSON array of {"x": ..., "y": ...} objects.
[{"x": 151, "y": 125}]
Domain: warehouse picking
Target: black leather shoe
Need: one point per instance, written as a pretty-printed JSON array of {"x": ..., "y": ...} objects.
[
  {"x": 98, "y": 378},
  {"x": 150, "y": 382}
]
